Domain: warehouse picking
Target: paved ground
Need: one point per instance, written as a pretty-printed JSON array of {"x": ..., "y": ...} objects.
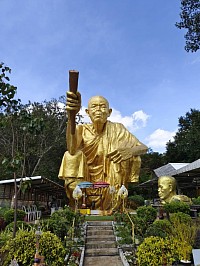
[{"x": 103, "y": 261}]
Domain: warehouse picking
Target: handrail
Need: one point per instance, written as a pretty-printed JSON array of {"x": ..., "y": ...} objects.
[
  {"x": 73, "y": 223},
  {"x": 133, "y": 225}
]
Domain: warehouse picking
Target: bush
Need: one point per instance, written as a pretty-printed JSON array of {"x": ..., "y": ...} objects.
[
  {"x": 125, "y": 234},
  {"x": 156, "y": 251},
  {"x": 161, "y": 228},
  {"x": 181, "y": 218},
  {"x": 9, "y": 215},
  {"x": 196, "y": 201},
  {"x": 22, "y": 247},
  {"x": 61, "y": 221},
  {"x": 176, "y": 206},
  {"x": 2, "y": 223},
  {"x": 183, "y": 228},
  {"x": 20, "y": 225},
  {"x": 135, "y": 201},
  {"x": 148, "y": 213},
  {"x": 4, "y": 237}
]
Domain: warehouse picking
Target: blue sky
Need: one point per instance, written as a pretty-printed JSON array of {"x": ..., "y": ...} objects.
[{"x": 127, "y": 51}]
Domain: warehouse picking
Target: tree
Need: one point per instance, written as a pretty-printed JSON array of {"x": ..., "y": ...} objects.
[
  {"x": 150, "y": 161},
  {"x": 9, "y": 106},
  {"x": 39, "y": 133},
  {"x": 185, "y": 147},
  {"x": 190, "y": 20}
]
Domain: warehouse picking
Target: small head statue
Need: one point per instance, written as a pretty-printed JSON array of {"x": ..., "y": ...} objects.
[{"x": 167, "y": 190}]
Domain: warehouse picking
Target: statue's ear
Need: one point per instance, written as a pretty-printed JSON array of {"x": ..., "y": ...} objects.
[
  {"x": 87, "y": 112},
  {"x": 170, "y": 187},
  {"x": 110, "y": 111}
]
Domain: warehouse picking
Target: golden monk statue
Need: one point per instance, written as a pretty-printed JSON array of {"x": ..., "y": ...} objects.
[
  {"x": 100, "y": 151},
  {"x": 167, "y": 190}
]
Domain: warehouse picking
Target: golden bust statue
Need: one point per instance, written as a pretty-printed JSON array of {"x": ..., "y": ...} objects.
[
  {"x": 100, "y": 151},
  {"x": 167, "y": 190}
]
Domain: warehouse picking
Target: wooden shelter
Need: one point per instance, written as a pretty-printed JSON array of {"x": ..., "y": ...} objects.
[{"x": 41, "y": 191}]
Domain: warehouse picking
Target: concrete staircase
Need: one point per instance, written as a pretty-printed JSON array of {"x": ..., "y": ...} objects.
[{"x": 101, "y": 247}]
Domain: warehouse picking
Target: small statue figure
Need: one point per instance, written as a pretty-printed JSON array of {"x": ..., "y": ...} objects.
[{"x": 167, "y": 191}]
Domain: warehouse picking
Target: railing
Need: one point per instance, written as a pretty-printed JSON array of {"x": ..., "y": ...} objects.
[{"x": 133, "y": 226}]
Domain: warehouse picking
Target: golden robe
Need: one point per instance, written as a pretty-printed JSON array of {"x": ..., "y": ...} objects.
[{"x": 91, "y": 163}]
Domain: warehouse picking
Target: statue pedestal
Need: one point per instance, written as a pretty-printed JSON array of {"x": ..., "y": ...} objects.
[{"x": 95, "y": 212}]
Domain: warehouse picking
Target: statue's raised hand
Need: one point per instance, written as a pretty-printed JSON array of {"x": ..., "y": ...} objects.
[
  {"x": 120, "y": 154},
  {"x": 73, "y": 101}
]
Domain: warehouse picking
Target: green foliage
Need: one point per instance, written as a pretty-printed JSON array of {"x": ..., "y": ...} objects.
[
  {"x": 135, "y": 201},
  {"x": 125, "y": 235},
  {"x": 20, "y": 225},
  {"x": 190, "y": 20},
  {"x": 22, "y": 247},
  {"x": 7, "y": 91},
  {"x": 39, "y": 139},
  {"x": 148, "y": 213},
  {"x": 196, "y": 201},
  {"x": 120, "y": 217},
  {"x": 9, "y": 215},
  {"x": 183, "y": 228},
  {"x": 184, "y": 148},
  {"x": 161, "y": 228},
  {"x": 181, "y": 217},
  {"x": 61, "y": 221},
  {"x": 156, "y": 251},
  {"x": 176, "y": 206},
  {"x": 4, "y": 237}
]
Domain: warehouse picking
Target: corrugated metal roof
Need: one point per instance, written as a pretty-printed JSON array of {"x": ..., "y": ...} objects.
[{"x": 168, "y": 169}]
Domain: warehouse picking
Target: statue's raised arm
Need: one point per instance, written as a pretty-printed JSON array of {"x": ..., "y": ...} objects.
[{"x": 73, "y": 106}]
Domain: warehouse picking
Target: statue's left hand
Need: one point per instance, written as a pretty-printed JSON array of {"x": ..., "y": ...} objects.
[{"x": 120, "y": 154}]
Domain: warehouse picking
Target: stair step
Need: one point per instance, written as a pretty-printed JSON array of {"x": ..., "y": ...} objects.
[
  {"x": 99, "y": 223},
  {"x": 100, "y": 227},
  {"x": 103, "y": 260},
  {"x": 100, "y": 238},
  {"x": 101, "y": 252},
  {"x": 93, "y": 232},
  {"x": 101, "y": 244}
]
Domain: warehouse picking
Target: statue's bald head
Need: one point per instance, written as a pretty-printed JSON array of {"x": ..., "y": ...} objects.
[
  {"x": 170, "y": 180},
  {"x": 98, "y": 109},
  {"x": 98, "y": 98}
]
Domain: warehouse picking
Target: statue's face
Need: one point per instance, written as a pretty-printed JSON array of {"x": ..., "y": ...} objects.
[
  {"x": 164, "y": 189},
  {"x": 98, "y": 109}
]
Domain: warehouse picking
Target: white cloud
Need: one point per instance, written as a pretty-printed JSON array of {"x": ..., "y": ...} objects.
[
  {"x": 133, "y": 122},
  {"x": 158, "y": 139}
]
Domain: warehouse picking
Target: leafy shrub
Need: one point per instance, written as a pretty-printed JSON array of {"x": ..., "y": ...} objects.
[
  {"x": 2, "y": 223},
  {"x": 140, "y": 226},
  {"x": 4, "y": 236},
  {"x": 125, "y": 234},
  {"x": 20, "y": 225},
  {"x": 3, "y": 210},
  {"x": 181, "y": 218},
  {"x": 9, "y": 215},
  {"x": 196, "y": 201},
  {"x": 61, "y": 221},
  {"x": 161, "y": 228},
  {"x": 176, "y": 206},
  {"x": 120, "y": 217},
  {"x": 156, "y": 251},
  {"x": 183, "y": 228},
  {"x": 148, "y": 213},
  {"x": 135, "y": 201},
  {"x": 153, "y": 230},
  {"x": 22, "y": 247}
]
